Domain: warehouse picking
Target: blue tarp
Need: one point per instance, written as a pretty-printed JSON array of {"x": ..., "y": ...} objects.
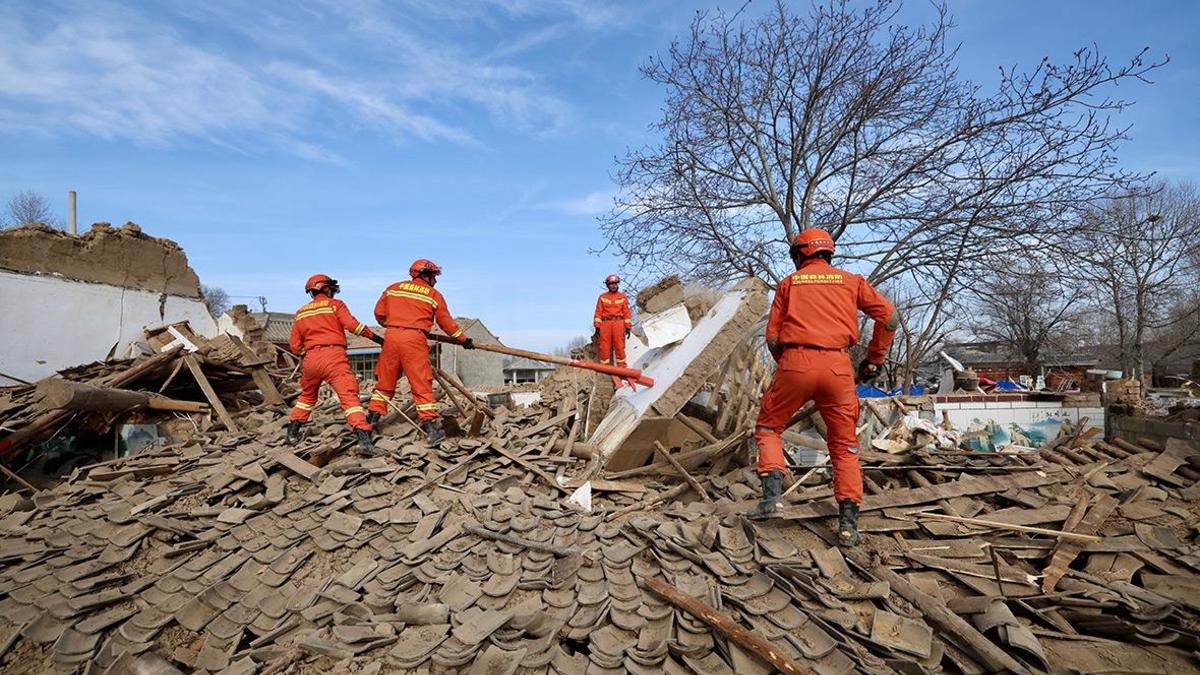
[
  {"x": 1009, "y": 385},
  {"x": 871, "y": 391}
]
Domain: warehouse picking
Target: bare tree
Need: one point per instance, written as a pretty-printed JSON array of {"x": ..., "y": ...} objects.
[
  {"x": 576, "y": 343},
  {"x": 216, "y": 299},
  {"x": 28, "y": 207},
  {"x": 841, "y": 118},
  {"x": 1139, "y": 252},
  {"x": 1028, "y": 308}
]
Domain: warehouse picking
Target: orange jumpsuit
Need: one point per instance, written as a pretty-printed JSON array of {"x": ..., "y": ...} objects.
[
  {"x": 408, "y": 310},
  {"x": 319, "y": 334},
  {"x": 814, "y": 318},
  {"x": 613, "y": 318}
]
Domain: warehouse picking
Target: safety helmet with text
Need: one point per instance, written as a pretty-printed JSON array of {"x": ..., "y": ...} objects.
[
  {"x": 319, "y": 282},
  {"x": 811, "y": 242},
  {"x": 424, "y": 266},
  {"x": 612, "y": 279}
]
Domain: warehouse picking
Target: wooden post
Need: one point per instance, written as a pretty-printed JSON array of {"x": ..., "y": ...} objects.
[
  {"x": 683, "y": 472},
  {"x": 462, "y": 389},
  {"x": 193, "y": 364},
  {"x": 727, "y": 627}
]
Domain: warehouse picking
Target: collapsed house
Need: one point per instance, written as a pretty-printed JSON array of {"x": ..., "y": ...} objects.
[
  {"x": 107, "y": 285},
  {"x": 591, "y": 531}
]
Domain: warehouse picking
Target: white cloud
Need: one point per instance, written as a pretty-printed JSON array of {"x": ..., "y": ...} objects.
[
  {"x": 253, "y": 78},
  {"x": 591, "y": 204}
]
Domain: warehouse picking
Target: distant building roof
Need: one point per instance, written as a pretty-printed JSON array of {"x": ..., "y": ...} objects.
[
  {"x": 997, "y": 354},
  {"x": 522, "y": 363},
  {"x": 277, "y": 326}
]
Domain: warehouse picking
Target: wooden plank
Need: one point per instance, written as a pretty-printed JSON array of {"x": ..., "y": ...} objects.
[
  {"x": 266, "y": 385},
  {"x": 1067, "y": 550},
  {"x": 922, "y": 495},
  {"x": 193, "y": 364},
  {"x": 295, "y": 464},
  {"x": 727, "y": 627}
]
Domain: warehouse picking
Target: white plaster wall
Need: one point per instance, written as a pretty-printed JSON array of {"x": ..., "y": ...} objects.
[
  {"x": 1022, "y": 413},
  {"x": 51, "y": 323}
]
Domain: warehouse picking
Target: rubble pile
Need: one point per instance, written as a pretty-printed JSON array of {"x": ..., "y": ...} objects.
[
  {"x": 235, "y": 553},
  {"x": 94, "y": 397}
]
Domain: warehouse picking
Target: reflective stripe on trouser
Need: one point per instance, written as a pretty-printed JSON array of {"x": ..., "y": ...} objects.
[
  {"x": 827, "y": 378},
  {"x": 329, "y": 364},
  {"x": 405, "y": 352},
  {"x": 612, "y": 340}
]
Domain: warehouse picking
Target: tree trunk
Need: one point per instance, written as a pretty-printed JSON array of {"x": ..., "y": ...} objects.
[{"x": 59, "y": 394}]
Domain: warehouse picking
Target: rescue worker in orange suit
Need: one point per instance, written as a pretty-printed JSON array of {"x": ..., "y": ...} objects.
[
  {"x": 612, "y": 322},
  {"x": 813, "y": 324},
  {"x": 319, "y": 335},
  {"x": 408, "y": 310}
]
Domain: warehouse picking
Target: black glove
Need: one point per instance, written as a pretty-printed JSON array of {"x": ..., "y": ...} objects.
[
  {"x": 596, "y": 335},
  {"x": 377, "y": 338},
  {"x": 776, "y": 349},
  {"x": 867, "y": 371},
  {"x": 627, "y": 331},
  {"x": 468, "y": 344}
]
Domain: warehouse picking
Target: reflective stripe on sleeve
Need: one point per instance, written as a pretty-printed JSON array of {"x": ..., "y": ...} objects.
[{"x": 358, "y": 330}]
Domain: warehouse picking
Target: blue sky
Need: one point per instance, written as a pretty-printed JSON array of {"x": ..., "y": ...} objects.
[{"x": 351, "y": 137}]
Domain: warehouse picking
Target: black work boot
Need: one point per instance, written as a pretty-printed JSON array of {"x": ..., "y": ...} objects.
[
  {"x": 365, "y": 447},
  {"x": 293, "y": 432},
  {"x": 434, "y": 433},
  {"x": 373, "y": 417},
  {"x": 772, "y": 487},
  {"x": 848, "y": 523}
]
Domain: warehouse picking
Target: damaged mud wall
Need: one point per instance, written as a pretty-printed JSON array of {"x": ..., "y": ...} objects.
[
  {"x": 124, "y": 257},
  {"x": 71, "y": 300}
]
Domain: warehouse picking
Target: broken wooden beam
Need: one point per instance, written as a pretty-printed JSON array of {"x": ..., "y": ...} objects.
[
  {"x": 950, "y": 625},
  {"x": 726, "y": 626},
  {"x": 964, "y": 487},
  {"x": 997, "y": 525},
  {"x": 58, "y": 394}
]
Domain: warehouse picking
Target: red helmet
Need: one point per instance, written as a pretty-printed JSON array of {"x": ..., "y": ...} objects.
[
  {"x": 424, "y": 266},
  {"x": 612, "y": 279},
  {"x": 318, "y": 282},
  {"x": 812, "y": 241}
]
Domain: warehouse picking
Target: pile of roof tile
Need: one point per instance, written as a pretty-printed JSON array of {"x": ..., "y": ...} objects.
[{"x": 237, "y": 554}]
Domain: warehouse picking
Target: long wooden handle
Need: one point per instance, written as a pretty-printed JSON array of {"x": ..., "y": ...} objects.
[
  {"x": 501, "y": 349},
  {"x": 621, "y": 372}
]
